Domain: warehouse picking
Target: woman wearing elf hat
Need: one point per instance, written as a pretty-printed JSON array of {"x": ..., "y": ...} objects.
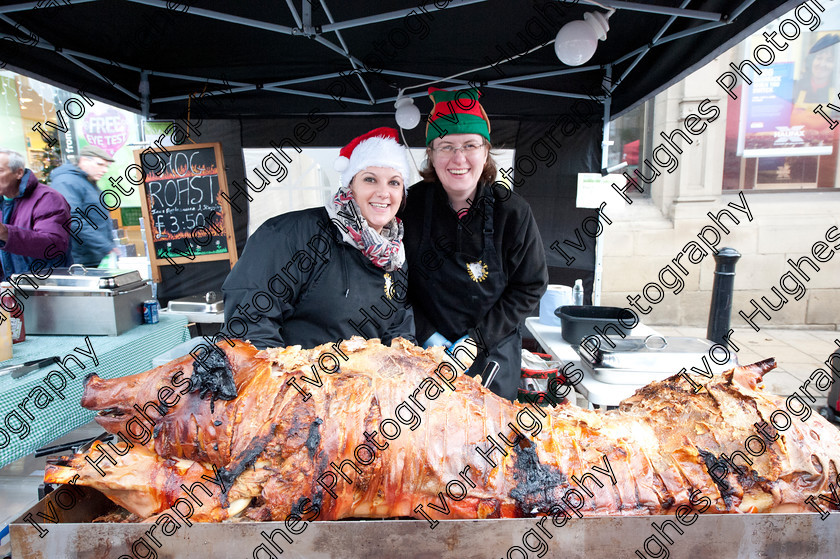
[
  {"x": 318, "y": 275},
  {"x": 476, "y": 260}
]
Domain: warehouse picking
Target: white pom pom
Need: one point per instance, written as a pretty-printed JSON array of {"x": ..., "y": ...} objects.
[{"x": 341, "y": 164}]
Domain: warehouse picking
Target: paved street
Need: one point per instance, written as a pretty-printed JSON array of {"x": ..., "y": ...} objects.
[{"x": 798, "y": 353}]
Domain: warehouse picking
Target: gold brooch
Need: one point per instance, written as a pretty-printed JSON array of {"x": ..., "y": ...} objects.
[
  {"x": 477, "y": 271},
  {"x": 388, "y": 286}
]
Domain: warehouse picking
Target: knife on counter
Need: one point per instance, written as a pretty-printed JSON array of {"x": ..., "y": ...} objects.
[{"x": 22, "y": 369}]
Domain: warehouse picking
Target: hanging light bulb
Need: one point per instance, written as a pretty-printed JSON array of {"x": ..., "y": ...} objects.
[
  {"x": 407, "y": 115},
  {"x": 577, "y": 41}
]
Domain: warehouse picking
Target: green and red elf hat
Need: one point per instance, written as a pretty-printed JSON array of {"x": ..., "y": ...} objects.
[{"x": 456, "y": 112}]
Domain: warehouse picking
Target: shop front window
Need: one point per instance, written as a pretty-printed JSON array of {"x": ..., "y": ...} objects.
[
  {"x": 630, "y": 135},
  {"x": 778, "y": 129},
  {"x": 25, "y": 102}
]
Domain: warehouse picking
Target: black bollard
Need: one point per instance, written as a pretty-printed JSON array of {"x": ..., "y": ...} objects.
[{"x": 722, "y": 290}]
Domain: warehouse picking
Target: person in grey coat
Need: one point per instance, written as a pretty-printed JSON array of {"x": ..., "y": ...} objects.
[{"x": 77, "y": 183}]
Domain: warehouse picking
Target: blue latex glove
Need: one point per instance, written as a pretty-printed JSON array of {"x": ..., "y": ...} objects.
[
  {"x": 436, "y": 339},
  {"x": 457, "y": 343},
  {"x": 459, "y": 340},
  {"x": 454, "y": 357}
]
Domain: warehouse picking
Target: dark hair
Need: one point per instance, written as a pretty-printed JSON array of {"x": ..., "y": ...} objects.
[{"x": 488, "y": 174}]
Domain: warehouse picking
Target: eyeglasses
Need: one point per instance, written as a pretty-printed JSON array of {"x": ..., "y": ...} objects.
[{"x": 448, "y": 150}]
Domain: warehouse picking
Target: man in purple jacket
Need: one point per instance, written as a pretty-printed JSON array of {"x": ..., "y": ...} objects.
[{"x": 32, "y": 234}]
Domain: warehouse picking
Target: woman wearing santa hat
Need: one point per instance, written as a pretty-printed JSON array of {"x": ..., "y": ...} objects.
[
  {"x": 476, "y": 260},
  {"x": 319, "y": 275}
]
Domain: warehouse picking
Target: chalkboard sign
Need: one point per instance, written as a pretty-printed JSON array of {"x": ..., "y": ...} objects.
[{"x": 183, "y": 211}]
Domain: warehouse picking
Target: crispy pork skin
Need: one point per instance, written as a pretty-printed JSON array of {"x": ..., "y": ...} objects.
[{"x": 363, "y": 430}]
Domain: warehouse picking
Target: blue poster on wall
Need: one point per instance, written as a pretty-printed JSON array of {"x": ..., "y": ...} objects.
[
  {"x": 775, "y": 124},
  {"x": 768, "y": 130},
  {"x": 770, "y": 99}
]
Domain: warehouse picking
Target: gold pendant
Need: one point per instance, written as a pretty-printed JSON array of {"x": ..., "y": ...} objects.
[
  {"x": 477, "y": 271},
  {"x": 388, "y": 286}
]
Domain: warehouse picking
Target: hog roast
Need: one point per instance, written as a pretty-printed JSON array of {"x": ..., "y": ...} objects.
[{"x": 264, "y": 443}]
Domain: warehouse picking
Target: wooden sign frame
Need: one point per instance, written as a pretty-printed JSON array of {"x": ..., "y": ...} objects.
[{"x": 226, "y": 223}]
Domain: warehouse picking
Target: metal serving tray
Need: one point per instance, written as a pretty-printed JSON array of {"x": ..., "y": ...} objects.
[
  {"x": 80, "y": 302},
  {"x": 86, "y": 313},
  {"x": 207, "y": 303},
  {"x": 627, "y": 376},
  {"x": 79, "y": 278},
  {"x": 723, "y": 536},
  {"x": 654, "y": 354}
]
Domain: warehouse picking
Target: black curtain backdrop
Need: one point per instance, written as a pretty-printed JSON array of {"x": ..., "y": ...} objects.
[
  {"x": 551, "y": 190},
  {"x": 199, "y": 278},
  {"x": 337, "y": 130}
]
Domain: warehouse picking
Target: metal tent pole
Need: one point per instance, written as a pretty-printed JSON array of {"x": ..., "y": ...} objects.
[
  {"x": 599, "y": 244},
  {"x": 379, "y": 18},
  {"x": 228, "y": 18},
  {"x": 145, "y": 102},
  {"x": 350, "y": 57},
  {"x": 653, "y": 9},
  {"x": 25, "y": 6}
]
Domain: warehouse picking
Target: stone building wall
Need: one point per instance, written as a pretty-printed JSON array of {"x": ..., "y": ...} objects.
[{"x": 647, "y": 235}]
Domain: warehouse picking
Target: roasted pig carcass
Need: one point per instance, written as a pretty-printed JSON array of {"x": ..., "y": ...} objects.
[{"x": 364, "y": 430}]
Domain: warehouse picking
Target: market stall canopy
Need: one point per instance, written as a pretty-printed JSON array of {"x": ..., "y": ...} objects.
[
  {"x": 352, "y": 58},
  {"x": 322, "y": 71}
]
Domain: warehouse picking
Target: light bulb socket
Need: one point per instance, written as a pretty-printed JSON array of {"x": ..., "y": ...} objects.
[
  {"x": 403, "y": 101},
  {"x": 598, "y": 22}
]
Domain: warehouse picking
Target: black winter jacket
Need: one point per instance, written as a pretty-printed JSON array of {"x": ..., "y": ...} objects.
[
  {"x": 518, "y": 244},
  {"x": 299, "y": 283}
]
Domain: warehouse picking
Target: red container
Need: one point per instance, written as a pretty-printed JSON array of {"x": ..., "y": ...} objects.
[
  {"x": 533, "y": 384},
  {"x": 9, "y": 304}
]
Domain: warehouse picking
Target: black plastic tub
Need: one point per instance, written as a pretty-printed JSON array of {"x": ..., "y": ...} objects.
[{"x": 579, "y": 322}]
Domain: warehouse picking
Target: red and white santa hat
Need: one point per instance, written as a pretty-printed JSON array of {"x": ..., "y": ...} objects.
[{"x": 377, "y": 148}]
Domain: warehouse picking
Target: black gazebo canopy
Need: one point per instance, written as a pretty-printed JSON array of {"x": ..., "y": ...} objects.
[
  {"x": 272, "y": 70},
  {"x": 283, "y": 58}
]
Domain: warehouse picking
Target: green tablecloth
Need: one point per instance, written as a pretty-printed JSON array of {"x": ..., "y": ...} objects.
[{"x": 29, "y": 420}]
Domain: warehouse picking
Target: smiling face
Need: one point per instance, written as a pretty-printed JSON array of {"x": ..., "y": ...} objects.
[
  {"x": 378, "y": 192},
  {"x": 458, "y": 172}
]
